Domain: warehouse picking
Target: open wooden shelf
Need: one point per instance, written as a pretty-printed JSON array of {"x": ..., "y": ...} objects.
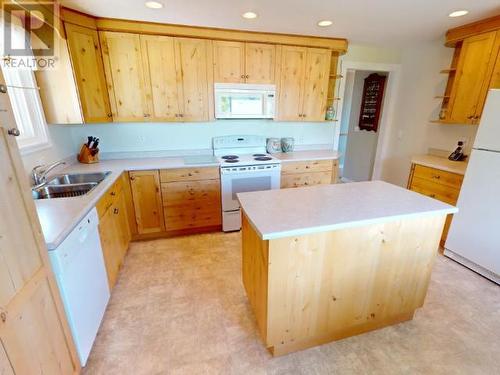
[{"x": 336, "y": 76}]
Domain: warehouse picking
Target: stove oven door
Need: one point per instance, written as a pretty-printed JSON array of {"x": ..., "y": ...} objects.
[{"x": 244, "y": 180}]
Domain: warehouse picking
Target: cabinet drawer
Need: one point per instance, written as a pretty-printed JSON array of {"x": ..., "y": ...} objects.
[
  {"x": 189, "y": 174},
  {"x": 185, "y": 193},
  {"x": 438, "y": 176},
  {"x": 305, "y": 179},
  {"x": 194, "y": 216},
  {"x": 434, "y": 190},
  {"x": 110, "y": 197},
  {"x": 307, "y": 166}
]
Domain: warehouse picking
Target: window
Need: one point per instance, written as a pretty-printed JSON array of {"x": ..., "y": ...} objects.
[{"x": 26, "y": 105}]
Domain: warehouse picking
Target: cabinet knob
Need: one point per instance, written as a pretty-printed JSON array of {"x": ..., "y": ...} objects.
[
  {"x": 115, "y": 211},
  {"x": 303, "y": 115},
  {"x": 436, "y": 177},
  {"x": 110, "y": 115},
  {"x": 113, "y": 193},
  {"x": 242, "y": 76},
  {"x": 3, "y": 316},
  {"x": 247, "y": 76},
  {"x": 132, "y": 178},
  {"x": 181, "y": 115},
  {"x": 14, "y": 132}
]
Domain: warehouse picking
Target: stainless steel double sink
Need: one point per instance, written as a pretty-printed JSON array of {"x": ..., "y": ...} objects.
[{"x": 69, "y": 185}]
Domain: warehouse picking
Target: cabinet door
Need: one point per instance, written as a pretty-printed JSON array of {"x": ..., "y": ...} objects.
[
  {"x": 33, "y": 328},
  {"x": 110, "y": 244},
  {"x": 86, "y": 58},
  {"x": 260, "y": 63},
  {"x": 160, "y": 78},
  {"x": 470, "y": 77},
  {"x": 122, "y": 224},
  {"x": 316, "y": 84},
  {"x": 146, "y": 195},
  {"x": 5, "y": 367},
  {"x": 229, "y": 62},
  {"x": 124, "y": 75},
  {"x": 191, "y": 65},
  {"x": 291, "y": 83}
]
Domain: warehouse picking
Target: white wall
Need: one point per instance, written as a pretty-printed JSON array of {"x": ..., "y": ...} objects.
[{"x": 413, "y": 133}]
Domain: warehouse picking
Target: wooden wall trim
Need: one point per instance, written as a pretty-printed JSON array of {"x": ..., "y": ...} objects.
[
  {"x": 78, "y": 18},
  {"x": 457, "y": 34},
  {"x": 111, "y": 24}
]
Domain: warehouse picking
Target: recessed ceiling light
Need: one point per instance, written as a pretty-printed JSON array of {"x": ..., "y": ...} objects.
[
  {"x": 458, "y": 13},
  {"x": 249, "y": 15},
  {"x": 325, "y": 23},
  {"x": 153, "y": 4}
]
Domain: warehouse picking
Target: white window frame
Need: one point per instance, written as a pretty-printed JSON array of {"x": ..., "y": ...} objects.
[{"x": 26, "y": 106}]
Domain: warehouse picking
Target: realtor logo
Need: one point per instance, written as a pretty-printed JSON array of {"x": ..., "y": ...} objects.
[{"x": 29, "y": 33}]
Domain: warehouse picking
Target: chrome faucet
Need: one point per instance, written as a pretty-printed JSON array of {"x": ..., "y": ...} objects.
[{"x": 40, "y": 172}]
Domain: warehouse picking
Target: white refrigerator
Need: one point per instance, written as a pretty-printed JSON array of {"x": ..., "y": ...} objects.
[{"x": 474, "y": 236}]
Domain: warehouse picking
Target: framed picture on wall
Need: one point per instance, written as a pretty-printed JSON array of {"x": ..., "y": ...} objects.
[{"x": 371, "y": 104}]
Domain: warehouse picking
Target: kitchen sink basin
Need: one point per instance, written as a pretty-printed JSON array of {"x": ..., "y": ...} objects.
[
  {"x": 62, "y": 191},
  {"x": 78, "y": 178}
]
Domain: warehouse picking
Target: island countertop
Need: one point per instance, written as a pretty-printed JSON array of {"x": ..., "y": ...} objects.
[{"x": 293, "y": 212}]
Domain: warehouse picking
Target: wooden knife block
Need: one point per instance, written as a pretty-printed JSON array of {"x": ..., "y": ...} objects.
[{"x": 85, "y": 156}]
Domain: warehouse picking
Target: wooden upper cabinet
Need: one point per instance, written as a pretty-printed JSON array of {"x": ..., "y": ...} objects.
[
  {"x": 472, "y": 79},
  {"x": 293, "y": 69},
  {"x": 86, "y": 58},
  {"x": 316, "y": 84},
  {"x": 260, "y": 63},
  {"x": 192, "y": 64},
  {"x": 160, "y": 77},
  {"x": 229, "y": 62},
  {"x": 145, "y": 186},
  {"x": 125, "y": 75},
  {"x": 238, "y": 62},
  {"x": 303, "y": 84}
]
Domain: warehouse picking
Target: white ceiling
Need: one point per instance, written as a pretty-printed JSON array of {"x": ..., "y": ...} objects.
[{"x": 392, "y": 22}]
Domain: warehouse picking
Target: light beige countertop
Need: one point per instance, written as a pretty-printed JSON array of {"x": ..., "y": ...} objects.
[
  {"x": 438, "y": 162},
  {"x": 294, "y": 212},
  {"x": 307, "y": 155},
  {"x": 59, "y": 216}
]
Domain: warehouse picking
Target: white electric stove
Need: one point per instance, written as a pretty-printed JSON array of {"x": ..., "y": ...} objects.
[{"x": 244, "y": 166}]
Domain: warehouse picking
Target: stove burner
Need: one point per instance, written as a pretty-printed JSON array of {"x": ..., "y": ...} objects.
[
  {"x": 259, "y": 155},
  {"x": 232, "y": 160},
  {"x": 229, "y": 157},
  {"x": 263, "y": 158}
]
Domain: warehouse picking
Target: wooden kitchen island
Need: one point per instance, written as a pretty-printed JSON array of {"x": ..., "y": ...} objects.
[{"x": 327, "y": 262}]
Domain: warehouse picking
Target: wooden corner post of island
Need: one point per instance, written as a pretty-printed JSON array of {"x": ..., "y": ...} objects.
[{"x": 314, "y": 278}]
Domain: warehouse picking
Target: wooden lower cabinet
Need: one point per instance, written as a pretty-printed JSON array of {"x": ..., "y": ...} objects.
[
  {"x": 438, "y": 184},
  {"x": 191, "y": 198},
  {"x": 145, "y": 187},
  {"x": 308, "y": 173},
  {"x": 114, "y": 229}
]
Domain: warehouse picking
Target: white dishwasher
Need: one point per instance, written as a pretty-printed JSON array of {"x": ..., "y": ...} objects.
[{"x": 79, "y": 268}]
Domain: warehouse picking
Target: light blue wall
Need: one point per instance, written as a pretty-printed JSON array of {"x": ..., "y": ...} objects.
[{"x": 121, "y": 137}]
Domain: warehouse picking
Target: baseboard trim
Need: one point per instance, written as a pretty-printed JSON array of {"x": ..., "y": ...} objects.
[{"x": 473, "y": 266}]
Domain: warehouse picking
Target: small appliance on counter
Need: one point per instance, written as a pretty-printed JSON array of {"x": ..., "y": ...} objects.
[
  {"x": 89, "y": 153},
  {"x": 273, "y": 145},
  {"x": 287, "y": 144},
  {"x": 458, "y": 154}
]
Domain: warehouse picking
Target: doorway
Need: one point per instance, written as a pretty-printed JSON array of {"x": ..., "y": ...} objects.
[{"x": 357, "y": 143}]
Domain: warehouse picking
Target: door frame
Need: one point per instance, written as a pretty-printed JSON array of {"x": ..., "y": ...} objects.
[{"x": 388, "y": 107}]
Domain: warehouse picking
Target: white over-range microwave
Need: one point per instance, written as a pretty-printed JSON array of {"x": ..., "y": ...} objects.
[{"x": 241, "y": 100}]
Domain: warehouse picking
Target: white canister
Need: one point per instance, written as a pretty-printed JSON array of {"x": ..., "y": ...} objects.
[
  {"x": 273, "y": 145},
  {"x": 287, "y": 144}
]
